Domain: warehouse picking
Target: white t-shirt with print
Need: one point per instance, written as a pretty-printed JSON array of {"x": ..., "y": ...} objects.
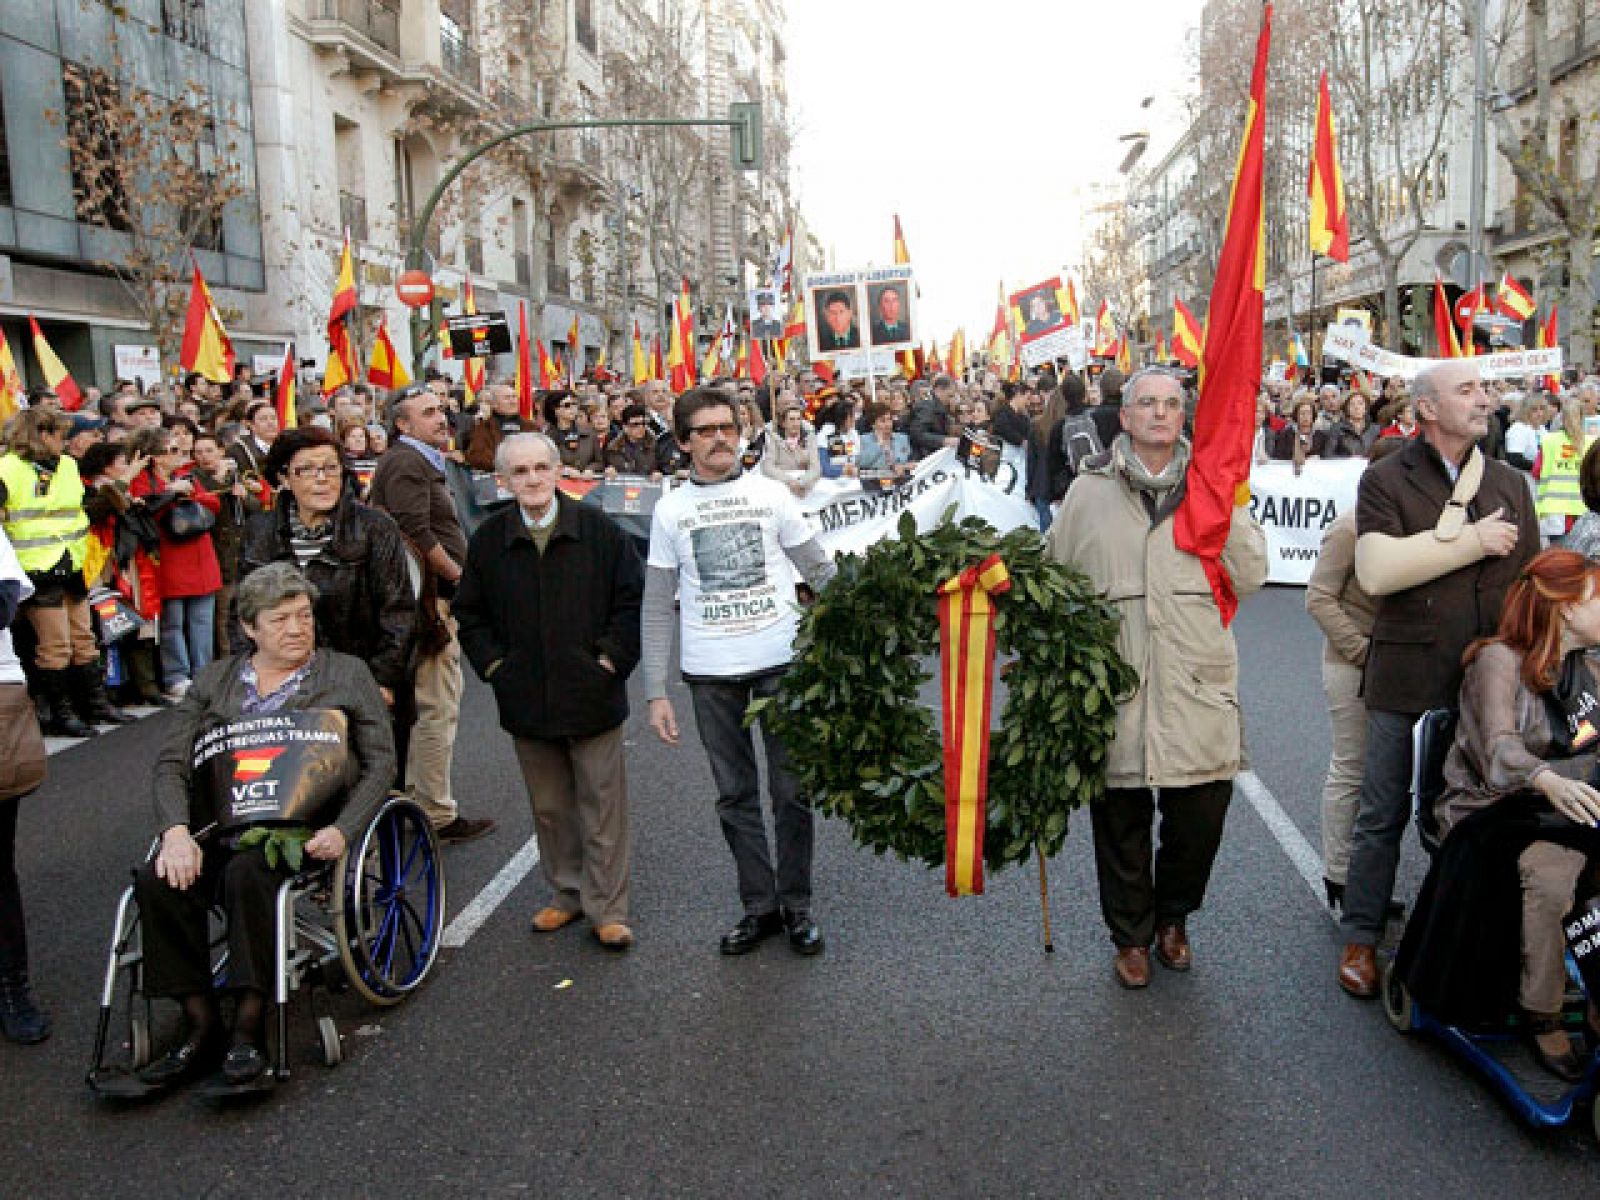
[{"x": 726, "y": 541}]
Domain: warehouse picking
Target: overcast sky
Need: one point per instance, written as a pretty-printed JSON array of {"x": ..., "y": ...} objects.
[{"x": 975, "y": 122}]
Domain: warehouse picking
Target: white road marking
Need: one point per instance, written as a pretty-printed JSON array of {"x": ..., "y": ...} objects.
[
  {"x": 1294, "y": 844},
  {"x": 471, "y": 918}
]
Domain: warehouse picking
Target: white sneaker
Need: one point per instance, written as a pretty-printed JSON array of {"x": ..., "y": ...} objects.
[{"x": 176, "y": 691}]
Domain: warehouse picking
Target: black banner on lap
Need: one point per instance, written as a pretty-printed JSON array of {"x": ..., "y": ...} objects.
[
  {"x": 288, "y": 766},
  {"x": 1583, "y": 939}
]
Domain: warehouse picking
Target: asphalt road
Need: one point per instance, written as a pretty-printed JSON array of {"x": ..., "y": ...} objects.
[{"x": 933, "y": 1050}]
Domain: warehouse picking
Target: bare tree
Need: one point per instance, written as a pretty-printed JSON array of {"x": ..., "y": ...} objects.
[
  {"x": 159, "y": 172},
  {"x": 1550, "y": 145}
]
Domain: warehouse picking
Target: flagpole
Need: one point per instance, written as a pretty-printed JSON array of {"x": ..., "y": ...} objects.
[{"x": 1311, "y": 323}]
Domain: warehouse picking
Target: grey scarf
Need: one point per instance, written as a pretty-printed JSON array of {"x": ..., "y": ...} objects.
[{"x": 1160, "y": 492}]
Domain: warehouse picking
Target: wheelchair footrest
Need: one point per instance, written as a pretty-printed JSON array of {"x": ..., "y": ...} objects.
[
  {"x": 111, "y": 1084},
  {"x": 220, "y": 1090}
]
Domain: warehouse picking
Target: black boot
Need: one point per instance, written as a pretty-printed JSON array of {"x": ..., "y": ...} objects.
[
  {"x": 20, "y": 1018},
  {"x": 54, "y": 686},
  {"x": 90, "y": 699}
]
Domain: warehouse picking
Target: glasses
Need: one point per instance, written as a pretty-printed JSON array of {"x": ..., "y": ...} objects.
[
  {"x": 1155, "y": 403},
  {"x": 636, "y": 423},
  {"x": 722, "y": 429},
  {"x": 316, "y": 471},
  {"x": 568, "y": 404}
]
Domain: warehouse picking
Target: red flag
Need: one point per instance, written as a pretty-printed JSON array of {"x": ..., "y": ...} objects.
[
  {"x": 1467, "y": 309},
  {"x": 55, "y": 374},
  {"x": 548, "y": 374},
  {"x": 758, "y": 362},
  {"x": 1549, "y": 334},
  {"x": 1512, "y": 298},
  {"x": 658, "y": 367},
  {"x": 384, "y": 368},
  {"x": 524, "y": 366},
  {"x": 1330, "y": 223},
  {"x": 341, "y": 366},
  {"x": 1187, "y": 333},
  {"x": 288, "y": 414},
  {"x": 206, "y": 347},
  {"x": 1230, "y": 360},
  {"x": 1444, "y": 328}
]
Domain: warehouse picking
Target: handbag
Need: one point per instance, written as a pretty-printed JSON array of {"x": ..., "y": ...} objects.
[
  {"x": 114, "y": 616},
  {"x": 186, "y": 519}
]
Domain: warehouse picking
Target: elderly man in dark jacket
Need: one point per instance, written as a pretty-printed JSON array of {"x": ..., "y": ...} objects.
[
  {"x": 933, "y": 423},
  {"x": 549, "y": 616}
]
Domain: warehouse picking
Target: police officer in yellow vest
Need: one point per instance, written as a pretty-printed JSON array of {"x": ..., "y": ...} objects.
[
  {"x": 41, "y": 506},
  {"x": 1558, "y": 500}
]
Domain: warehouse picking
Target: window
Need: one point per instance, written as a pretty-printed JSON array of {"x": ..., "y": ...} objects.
[
  {"x": 204, "y": 216},
  {"x": 186, "y": 21},
  {"x": 5, "y": 159},
  {"x": 97, "y": 186},
  {"x": 583, "y": 24}
]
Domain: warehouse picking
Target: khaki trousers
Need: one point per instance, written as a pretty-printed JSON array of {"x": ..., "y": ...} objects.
[
  {"x": 1341, "y": 792},
  {"x": 66, "y": 637},
  {"x": 578, "y": 788},
  {"x": 1550, "y": 875},
  {"x": 438, "y": 688}
]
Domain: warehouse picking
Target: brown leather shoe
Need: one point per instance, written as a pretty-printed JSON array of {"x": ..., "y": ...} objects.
[
  {"x": 1172, "y": 947},
  {"x": 614, "y": 935},
  {"x": 1358, "y": 970},
  {"x": 548, "y": 920},
  {"x": 1132, "y": 967}
]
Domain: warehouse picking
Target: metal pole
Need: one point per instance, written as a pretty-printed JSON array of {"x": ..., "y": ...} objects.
[{"x": 1480, "y": 100}]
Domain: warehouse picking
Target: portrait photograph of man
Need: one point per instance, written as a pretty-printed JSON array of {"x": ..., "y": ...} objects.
[
  {"x": 838, "y": 327},
  {"x": 1040, "y": 312},
  {"x": 766, "y": 322},
  {"x": 891, "y": 314}
]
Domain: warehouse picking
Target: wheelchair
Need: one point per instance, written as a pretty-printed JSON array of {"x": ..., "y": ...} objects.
[
  {"x": 1537, "y": 1099},
  {"x": 369, "y": 922}
]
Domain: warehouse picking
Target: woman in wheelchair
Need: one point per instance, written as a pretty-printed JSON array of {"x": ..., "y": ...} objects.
[
  {"x": 284, "y": 674},
  {"x": 1518, "y": 816}
]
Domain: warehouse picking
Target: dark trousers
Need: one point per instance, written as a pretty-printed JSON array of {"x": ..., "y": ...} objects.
[
  {"x": 719, "y": 712},
  {"x": 1380, "y": 826},
  {"x": 176, "y": 925},
  {"x": 1134, "y": 901},
  {"x": 13, "y": 931}
]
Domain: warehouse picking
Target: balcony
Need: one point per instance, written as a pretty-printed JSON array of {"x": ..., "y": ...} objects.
[
  {"x": 353, "y": 215},
  {"x": 1569, "y": 50},
  {"x": 366, "y": 31},
  {"x": 557, "y": 280},
  {"x": 459, "y": 60}
]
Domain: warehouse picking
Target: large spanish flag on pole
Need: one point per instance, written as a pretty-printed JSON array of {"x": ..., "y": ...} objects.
[
  {"x": 55, "y": 374},
  {"x": 524, "y": 365},
  {"x": 10, "y": 383},
  {"x": 1444, "y": 326},
  {"x": 206, "y": 347},
  {"x": 1330, "y": 223},
  {"x": 1230, "y": 358},
  {"x": 341, "y": 368}
]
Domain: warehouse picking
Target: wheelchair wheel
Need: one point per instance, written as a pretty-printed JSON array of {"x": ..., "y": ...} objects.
[
  {"x": 1397, "y": 1004},
  {"x": 138, "y": 1042},
  {"x": 390, "y": 910},
  {"x": 328, "y": 1036}
]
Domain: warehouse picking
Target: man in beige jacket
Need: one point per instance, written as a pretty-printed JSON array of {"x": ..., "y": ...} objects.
[{"x": 1178, "y": 740}]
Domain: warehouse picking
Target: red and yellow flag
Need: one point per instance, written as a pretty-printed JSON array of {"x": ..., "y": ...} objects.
[
  {"x": 1230, "y": 356},
  {"x": 901, "y": 254},
  {"x": 384, "y": 368},
  {"x": 1467, "y": 309},
  {"x": 10, "y": 383},
  {"x": 55, "y": 374},
  {"x": 283, "y": 400},
  {"x": 1105, "y": 332},
  {"x": 958, "y": 353},
  {"x": 206, "y": 347},
  {"x": 1161, "y": 354},
  {"x": 641, "y": 362},
  {"x": 548, "y": 374},
  {"x": 1513, "y": 299},
  {"x": 341, "y": 366},
  {"x": 1548, "y": 337},
  {"x": 1186, "y": 334},
  {"x": 1444, "y": 327},
  {"x": 473, "y": 371},
  {"x": 1330, "y": 223},
  {"x": 757, "y": 365},
  {"x": 574, "y": 336},
  {"x": 679, "y": 378},
  {"x": 966, "y": 662},
  {"x": 1069, "y": 305},
  {"x": 524, "y": 366},
  {"x": 658, "y": 365},
  {"x": 686, "y": 324}
]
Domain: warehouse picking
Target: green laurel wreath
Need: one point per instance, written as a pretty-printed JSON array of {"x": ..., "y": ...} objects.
[{"x": 869, "y": 753}]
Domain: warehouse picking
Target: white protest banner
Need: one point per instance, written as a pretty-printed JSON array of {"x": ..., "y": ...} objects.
[
  {"x": 850, "y": 515},
  {"x": 1349, "y": 343},
  {"x": 867, "y": 362},
  {"x": 137, "y": 362},
  {"x": 1295, "y": 510},
  {"x": 1066, "y": 343}
]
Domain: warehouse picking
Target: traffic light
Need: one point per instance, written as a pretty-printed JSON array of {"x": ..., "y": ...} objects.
[{"x": 746, "y": 139}]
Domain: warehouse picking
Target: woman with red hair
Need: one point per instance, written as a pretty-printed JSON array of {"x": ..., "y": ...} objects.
[{"x": 1519, "y": 815}]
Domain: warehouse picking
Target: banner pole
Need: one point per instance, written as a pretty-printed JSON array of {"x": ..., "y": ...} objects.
[{"x": 1311, "y": 322}]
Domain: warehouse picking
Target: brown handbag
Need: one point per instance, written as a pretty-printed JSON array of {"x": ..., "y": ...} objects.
[{"x": 22, "y": 752}]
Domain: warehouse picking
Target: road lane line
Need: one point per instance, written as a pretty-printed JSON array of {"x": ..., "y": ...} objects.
[
  {"x": 471, "y": 918},
  {"x": 1288, "y": 835}
]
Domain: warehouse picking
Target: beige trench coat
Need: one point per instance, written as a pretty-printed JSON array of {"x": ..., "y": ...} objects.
[{"x": 1182, "y": 727}]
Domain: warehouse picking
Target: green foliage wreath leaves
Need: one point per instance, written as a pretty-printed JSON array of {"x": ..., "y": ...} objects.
[{"x": 869, "y": 753}]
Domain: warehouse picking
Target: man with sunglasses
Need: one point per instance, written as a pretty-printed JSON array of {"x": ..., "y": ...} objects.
[
  {"x": 729, "y": 544},
  {"x": 1178, "y": 741}
]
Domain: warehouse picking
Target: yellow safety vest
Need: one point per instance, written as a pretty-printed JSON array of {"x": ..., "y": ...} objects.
[{"x": 43, "y": 528}]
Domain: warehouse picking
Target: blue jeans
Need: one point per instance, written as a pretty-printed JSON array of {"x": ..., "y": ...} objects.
[{"x": 187, "y": 637}]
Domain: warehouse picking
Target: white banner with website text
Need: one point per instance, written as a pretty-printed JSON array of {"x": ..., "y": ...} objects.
[
  {"x": 1296, "y": 510},
  {"x": 850, "y": 515}
]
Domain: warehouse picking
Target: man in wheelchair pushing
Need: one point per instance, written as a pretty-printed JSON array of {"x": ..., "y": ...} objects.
[{"x": 279, "y": 739}]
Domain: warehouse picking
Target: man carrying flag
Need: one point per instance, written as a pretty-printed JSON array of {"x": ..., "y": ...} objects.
[{"x": 1156, "y": 525}]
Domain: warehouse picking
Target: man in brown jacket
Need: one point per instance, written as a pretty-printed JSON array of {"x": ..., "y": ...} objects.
[
  {"x": 1438, "y": 582},
  {"x": 1179, "y": 734}
]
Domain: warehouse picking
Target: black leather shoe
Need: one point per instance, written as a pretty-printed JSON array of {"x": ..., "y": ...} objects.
[
  {"x": 1566, "y": 1065},
  {"x": 804, "y": 936},
  {"x": 750, "y": 932},
  {"x": 244, "y": 1064},
  {"x": 191, "y": 1059}
]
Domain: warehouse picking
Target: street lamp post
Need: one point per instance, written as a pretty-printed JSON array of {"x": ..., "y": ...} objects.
[{"x": 744, "y": 119}]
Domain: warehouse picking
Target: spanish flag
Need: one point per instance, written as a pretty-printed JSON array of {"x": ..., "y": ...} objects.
[
  {"x": 1105, "y": 332},
  {"x": 1187, "y": 333},
  {"x": 1161, "y": 354},
  {"x": 548, "y": 374},
  {"x": 10, "y": 383},
  {"x": 472, "y": 370},
  {"x": 686, "y": 325},
  {"x": 341, "y": 368},
  {"x": 901, "y": 254},
  {"x": 1330, "y": 223},
  {"x": 288, "y": 417},
  {"x": 641, "y": 362},
  {"x": 252, "y": 764},
  {"x": 958, "y": 353},
  {"x": 1230, "y": 359},
  {"x": 1512, "y": 298},
  {"x": 658, "y": 364},
  {"x": 385, "y": 368},
  {"x": 1069, "y": 306},
  {"x": 56, "y": 375},
  {"x": 1548, "y": 338},
  {"x": 206, "y": 347},
  {"x": 1444, "y": 326},
  {"x": 573, "y": 336},
  {"x": 524, "y": 366},
  {"x": 757, "y": 365},
  {"x": 679, "y": 370}
]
